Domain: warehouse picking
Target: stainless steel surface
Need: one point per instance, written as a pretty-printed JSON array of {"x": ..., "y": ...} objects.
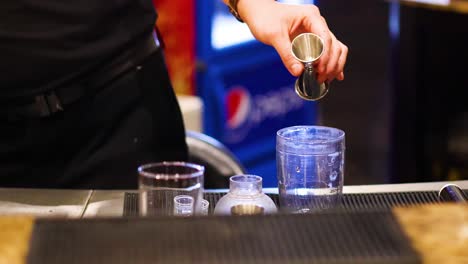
[
  {"x": 110, "y": 203},
  {"x": 43, "y": 202},
  {"x": 104, "y": 203},
  {"x": 307, "y": 48},
  {"x": 385, "y": 188},
  {"x": 452, "y": 193}
]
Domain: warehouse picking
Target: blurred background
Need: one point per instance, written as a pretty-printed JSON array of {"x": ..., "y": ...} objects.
[{"x": 402, "y": 103}]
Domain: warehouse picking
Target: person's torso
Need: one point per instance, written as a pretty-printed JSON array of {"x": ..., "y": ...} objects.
[{"x": 47, "y": 43}]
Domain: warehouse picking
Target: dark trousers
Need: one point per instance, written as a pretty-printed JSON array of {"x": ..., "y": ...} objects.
[{"x": 98, "y": 141}]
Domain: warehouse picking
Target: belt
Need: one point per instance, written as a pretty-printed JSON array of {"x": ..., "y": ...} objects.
[{"x": 56, "y": 100}]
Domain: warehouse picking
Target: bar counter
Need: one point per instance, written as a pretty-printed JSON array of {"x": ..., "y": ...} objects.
[
  {"x": 109, "y": 203},
  {"x": 457, "y": 6},
  {"x": 94, "y": 226}
]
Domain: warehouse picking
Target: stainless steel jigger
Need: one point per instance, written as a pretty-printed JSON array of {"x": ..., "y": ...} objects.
[{"x": 307, "y": 48}]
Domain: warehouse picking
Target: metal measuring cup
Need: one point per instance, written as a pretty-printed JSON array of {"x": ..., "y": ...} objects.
[{"x": 307, "y": 48}]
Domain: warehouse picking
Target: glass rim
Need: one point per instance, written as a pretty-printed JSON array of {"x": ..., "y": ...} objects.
[
  {"x": 183, "y": 200},
  {"x": 298, "y": 37},
  {"x": 199, "y": 170},
  {"x": 255, "y": 178},
  {"x": 341, "y": 134}
]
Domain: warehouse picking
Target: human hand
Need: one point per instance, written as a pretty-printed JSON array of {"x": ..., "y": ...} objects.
[{"x": 277, "y": 24}]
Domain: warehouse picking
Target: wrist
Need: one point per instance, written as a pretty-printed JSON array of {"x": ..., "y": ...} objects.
[
  {"x": 247, "y": 8},
  {"x": 232, "y": 5}
]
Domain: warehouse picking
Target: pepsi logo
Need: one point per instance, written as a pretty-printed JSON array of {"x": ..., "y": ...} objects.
[
  {"x": 247, "y": 111},
  {"x": 238, "y": 103}
]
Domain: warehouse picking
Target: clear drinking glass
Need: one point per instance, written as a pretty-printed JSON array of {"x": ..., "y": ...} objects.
[
  {"x": 310, "y": 167},
  {"x": 160, "y": 183}
]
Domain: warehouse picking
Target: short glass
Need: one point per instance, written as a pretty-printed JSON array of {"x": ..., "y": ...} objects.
[
  {"x": 310, "y": 168},
  {"x": 170, "y": 188}
]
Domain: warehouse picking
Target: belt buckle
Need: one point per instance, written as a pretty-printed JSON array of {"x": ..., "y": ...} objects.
[{"x": 47, "y": 104}]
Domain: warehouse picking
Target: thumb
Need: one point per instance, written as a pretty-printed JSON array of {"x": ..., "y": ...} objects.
[{"x": 283, "y": 47}]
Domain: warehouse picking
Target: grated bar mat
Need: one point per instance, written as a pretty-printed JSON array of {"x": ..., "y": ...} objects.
[
  {"x": 330, "y": 237},
  {"x": 349, "y": 202}
]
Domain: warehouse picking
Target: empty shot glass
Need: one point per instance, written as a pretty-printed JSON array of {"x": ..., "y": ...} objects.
[
  {"x": 183, "y": 205},
  {"x": 160, "y": 183},
  {"x": 310, "y": 167},
  {"x": 205, "y": 206}
]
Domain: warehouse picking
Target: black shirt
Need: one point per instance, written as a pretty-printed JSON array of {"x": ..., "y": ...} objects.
[{"x": 45, "y": 44}]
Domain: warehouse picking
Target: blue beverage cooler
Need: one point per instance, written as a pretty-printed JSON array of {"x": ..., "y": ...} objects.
[{"x": 247, "y": 92}]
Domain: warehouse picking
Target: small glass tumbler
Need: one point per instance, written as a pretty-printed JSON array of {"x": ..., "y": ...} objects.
[
  {"x": 205, "y": 206},
  {"x": 310, "y": 168},
  {"x": 183, "y": 205},
  {"x": 160, "y": 183}
]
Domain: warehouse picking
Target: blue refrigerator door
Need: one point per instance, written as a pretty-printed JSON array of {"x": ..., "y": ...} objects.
[{"x": 247, "y": 92}]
